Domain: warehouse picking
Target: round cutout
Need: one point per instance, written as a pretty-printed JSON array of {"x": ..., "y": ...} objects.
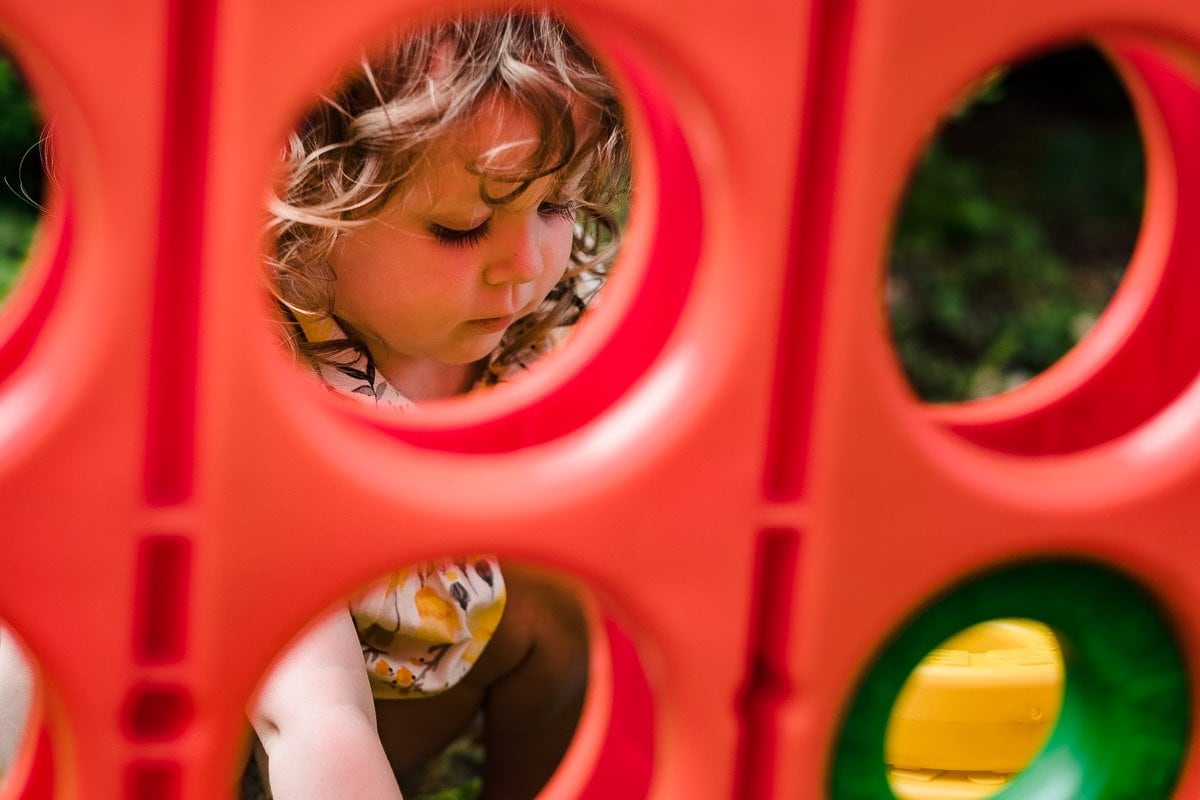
[
  {"x": 1124, "y": 672},
  {"x": 448, "y": 212},
  {"x": 1017, "y": 226},
  {"x": 474, "y": 673},
  {"x": 975, "y": 712}
]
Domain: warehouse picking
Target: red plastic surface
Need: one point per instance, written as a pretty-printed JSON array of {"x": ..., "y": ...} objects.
[{"x": 729, "y": 456}]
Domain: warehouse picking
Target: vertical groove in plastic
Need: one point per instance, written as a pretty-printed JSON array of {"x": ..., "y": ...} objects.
[
  {"x": 160, "y": 613},
  {"x": 157, "y": 712},
  {"x": 153, "y": 780},
  {"x": 804, "y": 285},
  {"x": 171, "y": 412},
  {"x": 768, "y": 685}
]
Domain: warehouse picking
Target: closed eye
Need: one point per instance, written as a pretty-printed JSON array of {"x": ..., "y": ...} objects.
[
  {"x": 567, "y": 210},
  {"x": 457, "y": 237}
]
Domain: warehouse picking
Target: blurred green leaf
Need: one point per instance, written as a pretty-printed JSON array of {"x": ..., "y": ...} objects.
[
  {"x": 17, "y": 229},
  {"x": 468, "y": 791}
]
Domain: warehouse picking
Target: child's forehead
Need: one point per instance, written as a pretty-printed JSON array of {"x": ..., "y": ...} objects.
[
  {"x": 500, "y": 135},
  {"x": 450, "y": 187},
  {"x": 499, "y": 139}
]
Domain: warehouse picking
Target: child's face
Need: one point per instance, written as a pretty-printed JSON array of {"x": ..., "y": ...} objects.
[{"x": 439, "y": 275}]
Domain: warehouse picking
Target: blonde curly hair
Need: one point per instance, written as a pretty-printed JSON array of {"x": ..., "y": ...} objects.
[{"x": 358, "y": 146}]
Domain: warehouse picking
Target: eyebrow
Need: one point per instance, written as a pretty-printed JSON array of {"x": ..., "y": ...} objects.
[
  {"x": 442, "y": 203},
  {"x": 444, "y": 206},
  {"x": 557, "y": 186}
]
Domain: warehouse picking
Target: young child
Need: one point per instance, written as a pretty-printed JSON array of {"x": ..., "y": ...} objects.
[{"x": 445, "y": 214}]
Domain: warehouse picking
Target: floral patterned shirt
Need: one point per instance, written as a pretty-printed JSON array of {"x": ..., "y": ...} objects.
[{"x": 423, "y": 628}]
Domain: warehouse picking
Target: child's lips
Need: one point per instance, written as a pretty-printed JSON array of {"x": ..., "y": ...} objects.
[{"x": 491, "y": 324}]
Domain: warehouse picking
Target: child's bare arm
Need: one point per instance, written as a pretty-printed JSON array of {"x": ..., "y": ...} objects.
[{"x": 316, "y": 720}]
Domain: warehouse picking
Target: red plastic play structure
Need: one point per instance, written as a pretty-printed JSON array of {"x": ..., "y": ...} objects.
[{"x": 730, "y": 456}]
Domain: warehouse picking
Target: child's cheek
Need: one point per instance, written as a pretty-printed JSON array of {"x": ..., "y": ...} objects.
[{"x": 566, "y": 241}]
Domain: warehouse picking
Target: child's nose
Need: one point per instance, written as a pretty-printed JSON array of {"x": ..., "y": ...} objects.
[{"x": 517, "y": 257}]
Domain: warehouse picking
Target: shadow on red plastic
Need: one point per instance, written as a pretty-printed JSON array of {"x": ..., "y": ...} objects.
[
  {"x": 626, "y": 761},
  {"x": 17, "y": 346},
  {"x": 39, "y": 780}
]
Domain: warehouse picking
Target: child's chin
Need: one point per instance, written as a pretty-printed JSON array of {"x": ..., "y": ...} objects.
[{"x": 476, "y": 351}]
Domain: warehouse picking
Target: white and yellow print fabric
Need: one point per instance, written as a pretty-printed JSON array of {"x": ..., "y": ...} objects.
[{"x": 423, "y": 628}]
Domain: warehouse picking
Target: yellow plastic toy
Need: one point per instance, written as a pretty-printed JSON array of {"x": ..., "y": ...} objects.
[{"x": 975, "y": 712}]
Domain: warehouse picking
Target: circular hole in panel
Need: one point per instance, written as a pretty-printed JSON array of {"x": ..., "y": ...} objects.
[
  {"x": 447, "y": 219},
  {"x": 975, "y": 712},
  {"x": 505, "y": 676},
  {"x": 1016, "y": 227},
  {"x": 24, "y": 757},
  {"x": 1124, "y": 672}
]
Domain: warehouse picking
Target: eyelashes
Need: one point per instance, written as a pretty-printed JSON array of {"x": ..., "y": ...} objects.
[
  {"x": 566, "y": 210},
  {"x": 469, "y": 237},
  {"x": 454, "y": 237}
]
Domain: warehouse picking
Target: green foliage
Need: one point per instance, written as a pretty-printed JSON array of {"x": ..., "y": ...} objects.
[
  {"x": 19, "y": 123},
  {"x": 973, "y": 281},
  {"x": 468, "y": 791},
  {"x": 16, "y": 235},
  {"x": 1014, "y": 232}
]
